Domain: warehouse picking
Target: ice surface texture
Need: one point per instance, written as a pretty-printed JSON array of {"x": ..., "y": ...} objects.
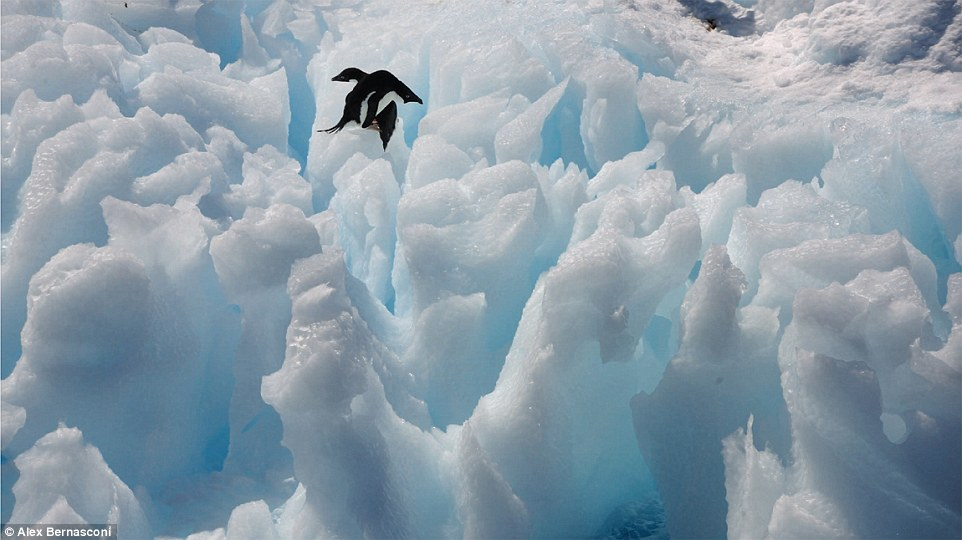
[{"x": 635, "y": 269}]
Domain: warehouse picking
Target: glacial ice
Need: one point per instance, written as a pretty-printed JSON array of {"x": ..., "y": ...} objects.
[
  {"x": 635, "y": 269},
  {"x": 64, "y": 480}
]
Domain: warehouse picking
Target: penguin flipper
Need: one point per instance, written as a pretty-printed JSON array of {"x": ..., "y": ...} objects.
[
  {"x": 385, "y": 137},
  {"x": 372, "y": 103},
  {"x": 368, "y": 120},
  {"x": 385, "y": 123}
]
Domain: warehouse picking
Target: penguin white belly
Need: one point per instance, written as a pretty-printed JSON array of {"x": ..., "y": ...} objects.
[
  {"x": 363, "y": 112},
  {"x": 388, "y": 98}
]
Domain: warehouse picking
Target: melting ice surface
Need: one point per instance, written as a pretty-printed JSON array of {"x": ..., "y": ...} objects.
[{"x": 635, "y": 269}]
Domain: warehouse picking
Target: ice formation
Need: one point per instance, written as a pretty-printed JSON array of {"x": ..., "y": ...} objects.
[{"x": 635, "y": 269}]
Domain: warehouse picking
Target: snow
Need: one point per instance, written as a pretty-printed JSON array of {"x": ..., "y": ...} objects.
[{"x": 633, "y": 269}]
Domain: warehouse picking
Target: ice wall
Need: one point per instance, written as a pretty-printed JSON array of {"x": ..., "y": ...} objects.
[{"x": 634, "y": 269}]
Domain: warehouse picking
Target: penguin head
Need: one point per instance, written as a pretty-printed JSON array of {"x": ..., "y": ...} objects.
[
  {"x": 349, "y": 74},
  {"x": 408, "y": 96}
]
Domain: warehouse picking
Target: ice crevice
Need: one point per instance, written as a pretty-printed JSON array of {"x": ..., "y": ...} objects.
[{"x": 633, "y": 269}]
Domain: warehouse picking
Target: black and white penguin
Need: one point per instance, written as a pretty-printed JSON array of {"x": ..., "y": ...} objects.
[
  {"x": 373, "y": 95},
  {"x": 350, "y": 74},
  {"x": 384, "y": 121}
]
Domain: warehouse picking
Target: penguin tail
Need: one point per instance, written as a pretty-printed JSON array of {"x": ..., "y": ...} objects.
[
  {"x": 335, "y": 128},
  {"x": 338, "y": 126}
]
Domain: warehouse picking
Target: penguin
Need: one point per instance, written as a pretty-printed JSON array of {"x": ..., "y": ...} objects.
[
  {"x": 384, "y": 121},
  {"x": 350, "y": 74},
  {"x": 374, "y": 93}
]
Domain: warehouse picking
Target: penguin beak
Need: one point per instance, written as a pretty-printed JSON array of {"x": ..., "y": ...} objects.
[
  {"x": 339, "y": 78},
  {"x": 415, "y": 98}
]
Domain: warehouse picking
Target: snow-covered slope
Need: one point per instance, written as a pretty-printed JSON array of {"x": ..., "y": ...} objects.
[{"x": 634, "y": 269}]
